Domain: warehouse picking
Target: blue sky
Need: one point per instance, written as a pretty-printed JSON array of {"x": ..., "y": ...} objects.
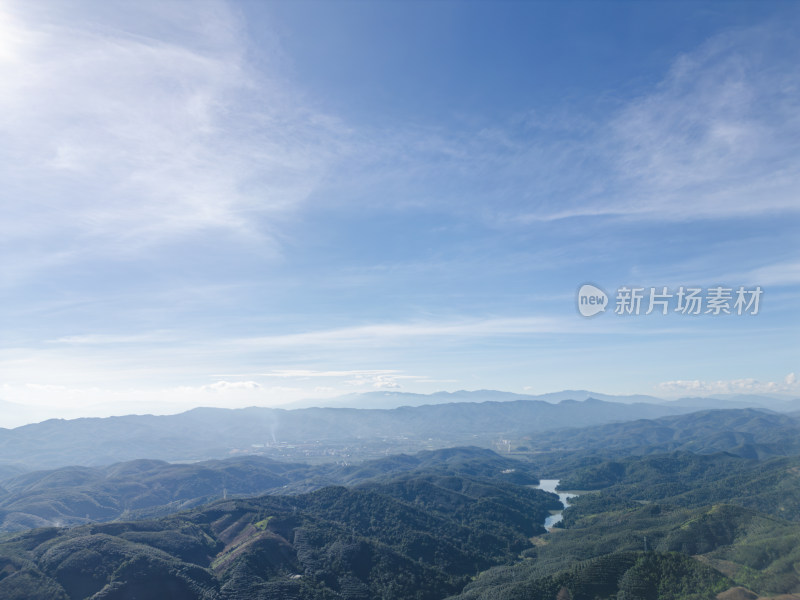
[{"x": 238, "y": 203}]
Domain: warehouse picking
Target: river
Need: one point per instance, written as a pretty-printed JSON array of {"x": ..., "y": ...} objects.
[{"x": 549, "y": 485}]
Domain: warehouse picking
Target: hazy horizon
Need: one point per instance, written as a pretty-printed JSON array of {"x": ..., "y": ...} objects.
[{"x": 17, "y": 415}]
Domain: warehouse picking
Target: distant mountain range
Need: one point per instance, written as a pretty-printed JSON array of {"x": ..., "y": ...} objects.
[
  {"x": 13, "y": 414},
  {"x": 208, "y": 433},
  {"x": 301, "y": 434},
  {"x": 395, "y": 399}
]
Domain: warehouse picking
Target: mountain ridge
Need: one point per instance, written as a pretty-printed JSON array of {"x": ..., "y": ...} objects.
[
  {"x": 22, "y": 415},
  {"x": 206, "y": 433}
]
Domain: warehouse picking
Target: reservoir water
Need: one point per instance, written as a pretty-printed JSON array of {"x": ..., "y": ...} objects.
[{"x": 549, "y": 485}]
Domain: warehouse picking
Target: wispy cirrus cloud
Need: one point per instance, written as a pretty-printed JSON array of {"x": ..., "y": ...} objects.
[
  {"x": 128, "y": 127},
  {"x": 717, "y": 137},
  {"x": 388, "y": 333},
  {"x": 115, "y": 339},
  {"x": 119, "y": 138},
  {"x": 777, "y": 274}
]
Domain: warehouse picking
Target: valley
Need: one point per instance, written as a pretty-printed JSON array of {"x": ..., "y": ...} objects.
[{"x": 658, "y": 516}]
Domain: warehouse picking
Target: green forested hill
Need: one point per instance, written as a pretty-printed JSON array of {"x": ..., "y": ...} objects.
[
  {"x": 617, "y": 576},
  {"x": 667, "y": 527},
  {"x": 405, "y": 539},
  {"x": 692, "y": 554},
  {"x": 146, "y": 488},
  {"x": 750, "y": 433},
  {"x": 429, "y": 533},
  {"x": 684, "y": 479}
]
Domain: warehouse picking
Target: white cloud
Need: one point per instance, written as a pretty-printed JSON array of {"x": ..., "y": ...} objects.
[
  {"x": 358, "y": 378},
  {"x": 114, "y": 339},
  {"x": 225, "y": 386},
  {"x": 789, "y": 385},
  {"x": 718, "y": 136},
  {"x": 145, "y": 122},
  {"x": 163, "y": 357},
  {"x": 388, "y": 333},
  {"x": 364, "y": 337},
  {"x": 785, "y": 273},
  {"x": 382, "y": 381},
  {"x": 128, "y": 126},
  {"x": 310, "y": 373}
]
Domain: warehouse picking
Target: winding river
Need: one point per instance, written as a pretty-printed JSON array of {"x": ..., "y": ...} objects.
[{"x": 549, "y": 485}]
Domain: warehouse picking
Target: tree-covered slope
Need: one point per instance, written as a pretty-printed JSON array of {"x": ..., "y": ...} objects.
[
  {"x": 403, "y": 539},
  {"x": 614, "y": 576},
  {"x": 750, "y": 433},
  {"x": 146, "y": 488},
  {"x": 684, "y": 479},
  {"x": 676, "y": 526}
]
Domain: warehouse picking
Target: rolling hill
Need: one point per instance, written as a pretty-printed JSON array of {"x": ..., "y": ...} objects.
[
  {"x": 209, "y": 433},
  {"x": 412, "y": 538},
  {"x": 751, "y": 433},
  {"x": 144, "y": 488}
]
